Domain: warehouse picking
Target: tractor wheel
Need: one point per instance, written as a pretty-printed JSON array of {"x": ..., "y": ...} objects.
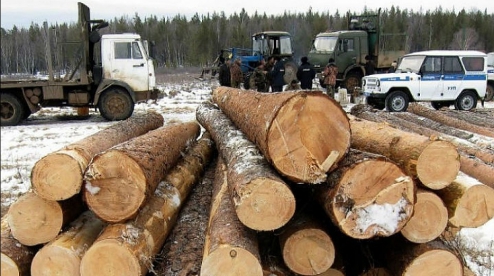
[
  {"x": 466, "y": 101},
  {"x": 352, "y": 80},
  {"x": 397, "y": 101},
  {"x": 489, "y": 93},
  {"x": 290, "y": 72},
  {"x": 115, "y": 104},
  {"x": 13, "y": 111}
]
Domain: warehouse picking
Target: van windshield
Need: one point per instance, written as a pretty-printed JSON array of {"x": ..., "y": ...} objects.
[{"x": 411, "y": 64}]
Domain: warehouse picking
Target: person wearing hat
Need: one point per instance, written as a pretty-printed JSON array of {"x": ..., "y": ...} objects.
[
  {"x": 306, "y": 73},
  {"x": 392, "y": 69},
  {"x": 236, "y": 73}
]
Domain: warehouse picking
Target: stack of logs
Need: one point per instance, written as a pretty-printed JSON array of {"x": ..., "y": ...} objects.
[{"x": 292, "y": 166}]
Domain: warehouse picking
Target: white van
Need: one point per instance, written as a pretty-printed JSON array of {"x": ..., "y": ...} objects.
[
  {"x": 440, "y": 77},
  {"x": 490, "y": 77}
]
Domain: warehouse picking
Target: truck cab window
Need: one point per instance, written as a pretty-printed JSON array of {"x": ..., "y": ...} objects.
[{"x": 136, "y": 51}]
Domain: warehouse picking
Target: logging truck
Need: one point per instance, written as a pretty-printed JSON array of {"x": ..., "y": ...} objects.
[{"x": 110, "y": 72}]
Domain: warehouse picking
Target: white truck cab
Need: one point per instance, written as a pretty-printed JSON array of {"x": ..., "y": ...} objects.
[{"x": 443, "y": 77}]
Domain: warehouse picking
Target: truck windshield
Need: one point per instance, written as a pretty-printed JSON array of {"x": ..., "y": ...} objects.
[
  {"x": 411, "y": 64},
  {"x": 324, "y": 44},
  {"x": 278, "y": 44}
]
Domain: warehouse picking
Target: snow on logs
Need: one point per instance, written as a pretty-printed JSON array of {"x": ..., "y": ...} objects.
[
  {"x": 128, "y": 248},
  {"x": 367, "y": 196},
  {"x": 59, "y": 175},
  {"x": 230, "y": 248},
  {"x": 118, "y": 180},
  {"x": 302, "y": 134},
  {"x": 262, "y": 200},
  {"x": 435, "y": 163}
]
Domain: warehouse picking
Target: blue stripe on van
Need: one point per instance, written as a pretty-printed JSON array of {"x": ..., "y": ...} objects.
[
  {"x": 476, "y": 77},
  {"x": 490, "y": 71},
  {"x": 396, "y": 79}
]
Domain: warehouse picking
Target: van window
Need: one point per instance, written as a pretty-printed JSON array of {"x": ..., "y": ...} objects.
[
  {"x": 473, "y": 63},
  {"x": 432, "y": 65},
  {"x": 452, "y": 65}
]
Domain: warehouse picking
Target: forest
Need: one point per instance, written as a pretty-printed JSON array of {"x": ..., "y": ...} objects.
[{"x": 183, "y": 42}]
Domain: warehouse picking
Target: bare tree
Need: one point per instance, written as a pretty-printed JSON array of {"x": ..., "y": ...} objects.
[{"x": 466, "y": 39}]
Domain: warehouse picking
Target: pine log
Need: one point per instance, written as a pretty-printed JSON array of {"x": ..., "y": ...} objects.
[
  {"x": 16, "y": 258},
  {"x": 447, "y": 120},
  {"x": 34, "y": 220},
  {"x": 128, "y": 248},
  {"x": 306, "y": 247},
  {"x": 230, "y": 247},
  {"x": 405, "y": 121},
  {"x": 367, "y": 196},
  {"x": 262, "y": 200},
  {"x": 425, "y": 259},
  {"x": 429, "y": 219},
  {"x": 119, "y": 180},
  {"x": 477, "y": 169},
  {"x": 434, "y": 163},
  {"x": 470, "y": 203},
  {"x": 471, "y": 117},
  {"x": 62, "y": 256},
  {"x": 302, "y": 134},
  {"x": 59, "y": 175}
]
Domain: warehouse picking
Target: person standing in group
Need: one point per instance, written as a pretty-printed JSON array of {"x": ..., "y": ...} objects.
[
  {"x": 224, "y": 76},
  {"x": 305, "y": 74},
  {"x": 277, "y": 75},
  {"x": 293, "y": 86},
  {"x": 268, "y": 67},
  {"x": 259, "y": 80},
  {"x": 236, "y": 73},
  {"x": 369, "y": 66},
  {"x": 330, "y": 72}
]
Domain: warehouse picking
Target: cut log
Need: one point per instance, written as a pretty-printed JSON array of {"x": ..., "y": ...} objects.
[
  {"x": 447, "y": 120},
  {"x": 129, "y": 248},
  {"x": 306, "y": 247},
  {"x": 119, "y": 180},
  {"x": 59, "y": 175},
  {"x": 470, "y": 203},
  {"x": 230, "y": 247},
  {"x": 429, "y": 219},
  {"x": 367, "y": 196},
  {"x": 477, "y": 169},
  {"x": 62, "y": 256},
  {"x": 434, "y": 163},
  {"x": 262, "y": 200},
  {"x": 412, "y": 123},
  {"x": 34, "y": 220},
  {"x": 16, "y": 258},
  {"x": 296, "y": 131}
]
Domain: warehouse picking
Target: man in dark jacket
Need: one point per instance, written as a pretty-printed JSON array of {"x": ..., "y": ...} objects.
[
  {"x": 277, "y": 75},
  {"x": 224, "y": 76},
  {"x": 305, "y": 74}
]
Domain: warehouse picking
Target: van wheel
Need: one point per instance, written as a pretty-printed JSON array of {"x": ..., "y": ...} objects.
[
  {"x": 115, "y": 104},
  {"x": 13, "y": 110},
  {"x": 489, "y": 93},
  {"x": 466, "y": 101},
  {"x": 397, "y": 101}
]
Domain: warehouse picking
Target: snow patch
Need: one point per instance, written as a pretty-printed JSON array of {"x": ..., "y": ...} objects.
[
  {"x": 385, "y": 218},
  {"x": 92, "y": 189}
]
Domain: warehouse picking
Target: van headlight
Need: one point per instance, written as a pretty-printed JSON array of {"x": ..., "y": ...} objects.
[
  {"x": 378, "y": 83},
  {"x": 363, "y": 82}
]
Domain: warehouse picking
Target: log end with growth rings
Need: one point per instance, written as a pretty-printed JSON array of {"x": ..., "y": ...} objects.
[
  {"x": 265, "y": 204},
  {"x": 109, "y": 257},
  {"x": 8, "y": 266},
  {"x": 307, "y": 138},
  {"x": 115, "y": 186},
  {"x": 438, "y": 164},
  {"x": 231, "y": 261},
  {"x": 475, "y": 207},
  {"x": 55, "y": 260},
  {"x": 435, "y": 262},
  {"x": 57, "y": 176}
]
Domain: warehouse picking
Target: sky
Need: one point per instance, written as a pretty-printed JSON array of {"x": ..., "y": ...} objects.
[
  {"x": 22, "y": 13},
  {"x": 53, "y": 128}
]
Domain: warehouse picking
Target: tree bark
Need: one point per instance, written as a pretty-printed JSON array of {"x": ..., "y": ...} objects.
[
  {"x": 59, "y": 175},
  {"x": 302, "y": 134},
  {"x": 434, "y": 163},
  {"x": 129, "y": 248},
  {"x": 62, "y": 256},
  {"x": 262, "y": 200},
  {"x": 367, "y": 196},
  {"x": 470, "y": 117},
  {"x": 429, "y": 219},
  {"x": 447, "y": 120},
  {"x": 306, "y": 247},
  {"x": 470, "y": 203},
  {"x": 477, "y": 169},
  {"x": 34, "y": 220},
  {"x": 119, "y": 180},
  {"x": 16, "y": 257},
  {"x": 230, "y": 247}
]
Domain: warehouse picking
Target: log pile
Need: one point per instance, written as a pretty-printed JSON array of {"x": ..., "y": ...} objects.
[{"x": 300, "y": 188}]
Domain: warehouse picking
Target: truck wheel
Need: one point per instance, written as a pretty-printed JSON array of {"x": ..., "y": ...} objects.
[
  {"x": 489, "y": 93},
  {"x": 290, "y": 72},
  {"x": 466, "y": 101},
  {"x": 352, "y": 80},
  {"x": 115, "y": 104},
  {"x": 12, "y": 110},
  {"x": 397, "y": 101}
]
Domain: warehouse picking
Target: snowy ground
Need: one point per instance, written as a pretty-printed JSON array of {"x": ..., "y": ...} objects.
[{"x": 52, "y": 128}]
